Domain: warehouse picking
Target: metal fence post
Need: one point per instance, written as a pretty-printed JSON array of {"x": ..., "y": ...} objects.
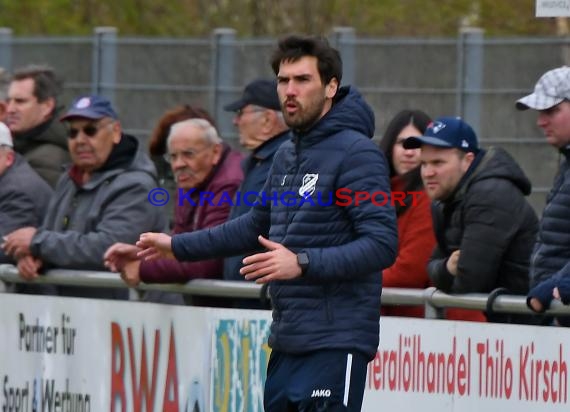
[
  {"x": 430, "y": 311},
  {"x": 344, "y": 40},
  {"x": 223, "y": 48},
  {"x": 6, "y": 48},
  {"x": 104, "y": 66},
  {"x": 470, "y": 75}
]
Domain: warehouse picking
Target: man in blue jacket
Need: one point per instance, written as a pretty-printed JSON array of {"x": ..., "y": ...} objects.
[
  {"x": 550, "y": 260},
  {"x": 323, "y": 261}
]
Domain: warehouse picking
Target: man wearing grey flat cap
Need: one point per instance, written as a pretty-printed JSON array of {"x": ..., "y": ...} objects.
[
  {"x": 551, "y": 254},
  {"x": 100, "y": 200}
]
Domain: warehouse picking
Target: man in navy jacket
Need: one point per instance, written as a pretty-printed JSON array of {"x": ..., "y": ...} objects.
[
  {"x": 324, "y": 257},
  {"x": 550, "y": 260},
  {"x": 262, "y": 130}
]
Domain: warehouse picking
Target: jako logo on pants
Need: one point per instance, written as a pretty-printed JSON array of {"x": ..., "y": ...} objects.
[{"x": 321, "y": 393}]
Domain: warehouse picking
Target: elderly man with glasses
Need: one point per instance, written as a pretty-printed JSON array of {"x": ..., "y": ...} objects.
[
  {"x": 100, "y": 200},
  {"x": 207, "y": 174}
]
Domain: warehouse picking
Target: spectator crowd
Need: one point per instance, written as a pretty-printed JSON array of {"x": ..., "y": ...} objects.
[{"x": 74, "y": 187}]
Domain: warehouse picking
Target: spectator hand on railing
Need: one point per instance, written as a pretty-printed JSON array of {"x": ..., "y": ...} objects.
[
  {"x": 131, "y": 273},
  {"x": 28, "y": 267},
  {"x": 119, "y": 255},
  {"x": 122, "y": 257},
  {"x": 17, "y": 243}
]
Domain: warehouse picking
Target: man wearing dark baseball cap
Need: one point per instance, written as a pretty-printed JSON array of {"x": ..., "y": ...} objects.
[
  {"x": 551, "y": 255},
  {"x": 446, "y": 132},
  {"x": 260, "y": 92},
  {"x": 90, "y": 107},
  {"x": 484, "y": 226},
  {"x": 262, "y": 130},
  {"x": 100, "y": 200}
]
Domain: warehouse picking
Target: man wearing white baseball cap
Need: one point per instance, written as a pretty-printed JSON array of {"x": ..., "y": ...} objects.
[
  {"x": 24, "y": 195},
  {"x": 551, "y": 254}
]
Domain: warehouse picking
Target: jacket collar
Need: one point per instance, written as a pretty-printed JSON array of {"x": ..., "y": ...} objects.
[{"x": 269, "y": 147}]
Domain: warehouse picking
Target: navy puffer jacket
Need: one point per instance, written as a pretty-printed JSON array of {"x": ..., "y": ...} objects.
[
  {"x": 336, "y": 303},
  {"x": 552, "y": 249}
]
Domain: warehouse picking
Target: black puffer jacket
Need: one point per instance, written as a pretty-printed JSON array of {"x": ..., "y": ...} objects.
[
  {"x": 489, "y": 220},
  {"x": 552, "y": 250}
]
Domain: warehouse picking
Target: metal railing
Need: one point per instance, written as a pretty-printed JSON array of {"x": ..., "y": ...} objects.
[{"x": 433, "y": 299}]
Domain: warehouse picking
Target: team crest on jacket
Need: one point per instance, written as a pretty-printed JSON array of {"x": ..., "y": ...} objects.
[{"x": 309, "y": 184}]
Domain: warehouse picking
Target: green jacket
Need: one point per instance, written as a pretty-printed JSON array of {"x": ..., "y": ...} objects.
[{"x": 45, "y": 148}]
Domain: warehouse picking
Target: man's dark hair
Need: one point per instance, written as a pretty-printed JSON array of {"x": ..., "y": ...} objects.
[
  {"x": 46, "y": 84},
  {"x": 294, "y": 47}
]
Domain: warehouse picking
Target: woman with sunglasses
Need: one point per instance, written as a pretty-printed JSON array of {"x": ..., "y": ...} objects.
[{"x": 415, "y": 231}]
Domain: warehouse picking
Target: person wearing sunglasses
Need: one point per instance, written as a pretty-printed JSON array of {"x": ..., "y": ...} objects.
[{"x": 100, "y": 200}]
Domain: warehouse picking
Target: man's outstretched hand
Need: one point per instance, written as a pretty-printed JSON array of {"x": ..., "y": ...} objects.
[{"x": 155, "y": 246}]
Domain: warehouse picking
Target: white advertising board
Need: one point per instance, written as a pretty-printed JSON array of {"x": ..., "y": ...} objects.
[
  {"x": 467, "y": 366},
  {"x": 61, "y": 354},
  {"x": 552, "y": 8}
]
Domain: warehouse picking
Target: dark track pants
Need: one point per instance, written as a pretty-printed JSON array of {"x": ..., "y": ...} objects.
[{"x": 326, "y": 380}]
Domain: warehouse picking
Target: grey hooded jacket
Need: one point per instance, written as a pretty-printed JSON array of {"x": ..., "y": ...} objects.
[{"x": 82, "y": 222}]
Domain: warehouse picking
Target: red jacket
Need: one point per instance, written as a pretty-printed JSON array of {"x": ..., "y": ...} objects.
[
  {"x": 416, "y": 241},
  {"x": 226, "y": 177}
]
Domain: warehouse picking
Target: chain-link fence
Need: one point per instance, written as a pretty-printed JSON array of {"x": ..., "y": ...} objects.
[{"x": 472, "y": 76}]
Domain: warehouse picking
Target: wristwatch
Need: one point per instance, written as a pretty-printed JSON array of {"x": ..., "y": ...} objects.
[{"x": 303, "y": 261}]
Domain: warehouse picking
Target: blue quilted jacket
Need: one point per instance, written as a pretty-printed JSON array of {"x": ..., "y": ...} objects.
[
  {"x": 551, "y": 253},
  {"x": 336, "y": 303}
]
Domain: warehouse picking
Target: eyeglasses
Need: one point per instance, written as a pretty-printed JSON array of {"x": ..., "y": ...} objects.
[
  {"x": 90, "y": 130},
  {"x": 241, "y": 112},
  {"x": 186, "y": 155}
]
